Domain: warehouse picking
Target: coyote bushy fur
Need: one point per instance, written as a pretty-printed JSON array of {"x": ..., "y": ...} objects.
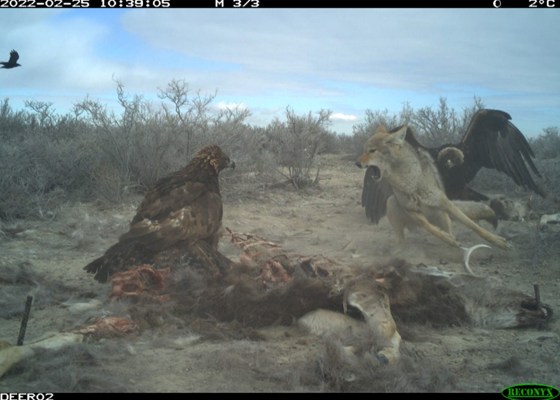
[{"x": 418, "y": 196}]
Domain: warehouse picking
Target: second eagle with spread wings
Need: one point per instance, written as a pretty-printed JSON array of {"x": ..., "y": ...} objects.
[{"x": 490, "y": 141}]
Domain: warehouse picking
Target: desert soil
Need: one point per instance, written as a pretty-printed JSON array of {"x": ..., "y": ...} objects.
[{"x": 326, "y": 220}]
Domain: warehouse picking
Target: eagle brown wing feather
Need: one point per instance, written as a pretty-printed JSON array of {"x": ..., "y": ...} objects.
[
  {"x": 172, "y": 194},
  {"x": 189, "y": 221}
]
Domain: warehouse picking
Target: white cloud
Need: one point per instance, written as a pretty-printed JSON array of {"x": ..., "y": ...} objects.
[
  {"x": 343, "y": 117},
  {"x": 222, "y": 105}
]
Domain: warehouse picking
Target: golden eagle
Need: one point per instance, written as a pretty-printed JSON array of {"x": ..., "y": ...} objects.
[
  {"x": 490, "y": 141},
  {"x": 183, "y": 209},
  {"x": 12, "y": 62}
]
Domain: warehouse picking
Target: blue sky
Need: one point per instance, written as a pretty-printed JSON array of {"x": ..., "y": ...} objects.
[{"x": 343, "y": 60}]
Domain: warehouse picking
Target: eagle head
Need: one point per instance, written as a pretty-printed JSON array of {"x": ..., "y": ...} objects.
[
  {"x": 214, "y": 156},
  {"x": 450, "y": 157}
]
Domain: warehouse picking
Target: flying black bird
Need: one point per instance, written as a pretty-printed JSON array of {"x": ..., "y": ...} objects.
[
  {"x": 490, "y": 141},
  {"x": 12, "y": 62}
]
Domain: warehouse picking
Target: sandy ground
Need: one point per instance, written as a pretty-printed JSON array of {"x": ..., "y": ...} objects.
[{"x": 326, "y": 220}]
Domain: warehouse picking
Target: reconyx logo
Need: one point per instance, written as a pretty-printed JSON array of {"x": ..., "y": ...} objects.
[{"x": 524, "y": 391}]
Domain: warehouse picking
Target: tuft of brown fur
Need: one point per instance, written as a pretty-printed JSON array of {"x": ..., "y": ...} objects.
[{"x": 240, "y": 297}]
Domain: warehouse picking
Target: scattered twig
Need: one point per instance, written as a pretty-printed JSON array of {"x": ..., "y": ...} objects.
[
  {"x": 24, "y": 320},
  {"x": 537, "y": 296}
]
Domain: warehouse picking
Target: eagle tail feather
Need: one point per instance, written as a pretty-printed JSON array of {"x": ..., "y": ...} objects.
[
  {"x": 117, "y": 258},
  {"x": 99, "y": 267}
]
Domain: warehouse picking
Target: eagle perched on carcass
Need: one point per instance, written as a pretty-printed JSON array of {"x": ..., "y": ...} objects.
[
  {"x": 490, "y": 141},
  {"x": 182, "y": 210}
]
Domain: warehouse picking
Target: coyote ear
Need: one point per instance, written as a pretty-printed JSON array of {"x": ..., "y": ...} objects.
[
  {"x": 399, "y": 136},
  {"x": 382, "y": 128}
]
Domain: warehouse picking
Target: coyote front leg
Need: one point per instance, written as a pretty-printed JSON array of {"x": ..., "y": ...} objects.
[
  {"x": 454, "y": 211},
  {"x": 434, "y": 230}
]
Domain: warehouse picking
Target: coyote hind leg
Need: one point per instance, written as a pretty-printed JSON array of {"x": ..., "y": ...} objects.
[{"x": 454, "y": 211}]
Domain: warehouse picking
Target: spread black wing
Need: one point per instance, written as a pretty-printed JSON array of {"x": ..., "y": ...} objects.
[
  {"x": 12, "y": 62},
  {"x": 374, "y": 196},
  {"x": 14, "y": 57},
  {"x": 492, "y": 141}
]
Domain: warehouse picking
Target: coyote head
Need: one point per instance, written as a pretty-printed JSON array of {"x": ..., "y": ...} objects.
[{"x": 383, "y": 151}]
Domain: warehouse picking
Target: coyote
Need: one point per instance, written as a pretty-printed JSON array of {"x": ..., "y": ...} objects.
[{"x": 418, "y": 196}]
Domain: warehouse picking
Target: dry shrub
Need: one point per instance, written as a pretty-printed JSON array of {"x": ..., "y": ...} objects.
[
  {"x": 93, "y": 153},
  {"x": 295, "y": 144},
  {"x": 38, "y": 176}
]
